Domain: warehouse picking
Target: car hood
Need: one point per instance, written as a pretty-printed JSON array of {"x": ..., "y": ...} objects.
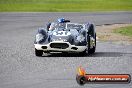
[{"x": 64, "y": 36}]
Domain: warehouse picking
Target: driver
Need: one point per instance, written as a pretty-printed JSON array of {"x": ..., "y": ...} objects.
[{"x": 60, "y": 22}]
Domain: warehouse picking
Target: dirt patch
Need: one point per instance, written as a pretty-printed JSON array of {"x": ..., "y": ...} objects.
[{"x": 105, "y": 33}]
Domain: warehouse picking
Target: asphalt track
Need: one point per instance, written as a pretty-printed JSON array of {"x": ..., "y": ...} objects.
[{"x": 20, "y": 68}]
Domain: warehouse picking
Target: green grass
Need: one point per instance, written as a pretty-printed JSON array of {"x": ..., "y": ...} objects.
[
  {"x": 124, "y": 31},
  {"x": 64, "y": 5}
]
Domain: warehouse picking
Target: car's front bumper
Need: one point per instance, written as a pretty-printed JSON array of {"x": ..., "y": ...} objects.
[{"x": 70, "y": 48}]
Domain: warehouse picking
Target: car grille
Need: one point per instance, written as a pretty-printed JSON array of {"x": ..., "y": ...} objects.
[{"x": 59, "y": 45}]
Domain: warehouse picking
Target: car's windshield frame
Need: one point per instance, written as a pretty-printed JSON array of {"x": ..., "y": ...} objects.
[{"x": 83, "y": 26}]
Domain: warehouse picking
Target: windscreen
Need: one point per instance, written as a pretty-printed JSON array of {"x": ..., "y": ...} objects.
[
  {"x": 60, "y": 26},
  {"x": 75, "y": 26}
]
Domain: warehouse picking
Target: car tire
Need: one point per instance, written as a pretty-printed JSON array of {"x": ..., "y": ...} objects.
[
  {"x": 38, "y": 52},
  {"x": 91, "y": 51},
  {"x": 47, "y": 52},
  {"x": 88, "y": 46}
]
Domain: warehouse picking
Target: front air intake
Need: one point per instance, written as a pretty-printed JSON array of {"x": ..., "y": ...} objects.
[
  {"x": 59, "y": 45},
  {"x": 74, "y": 48},
  {"x": 44, "y": 47}
]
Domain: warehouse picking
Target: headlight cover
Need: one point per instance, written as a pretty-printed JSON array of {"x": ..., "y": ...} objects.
[
  {"x": 80, "y": 41},
  {"x": 39, "y": 38},
  {"x": 81, "y": 38}
]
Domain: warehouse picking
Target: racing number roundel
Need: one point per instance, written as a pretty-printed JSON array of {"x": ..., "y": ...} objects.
[{"x": 61, "y": 33}]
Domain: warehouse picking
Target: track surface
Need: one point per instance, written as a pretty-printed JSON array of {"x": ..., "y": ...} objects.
[{"x": 20, "y": 68}]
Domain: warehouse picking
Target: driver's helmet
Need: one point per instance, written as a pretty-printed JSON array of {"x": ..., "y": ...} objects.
[{"x": 61, "y": 20}]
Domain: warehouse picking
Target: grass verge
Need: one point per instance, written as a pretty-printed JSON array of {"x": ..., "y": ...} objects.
[
  {"x": 64, "y": 5},
  {"x": 124, "y": 31}
]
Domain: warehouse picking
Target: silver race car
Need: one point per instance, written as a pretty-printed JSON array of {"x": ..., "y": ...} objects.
[{"x": 66, "y": 37}]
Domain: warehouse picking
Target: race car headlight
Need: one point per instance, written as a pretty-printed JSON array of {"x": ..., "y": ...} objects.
[
  {"x": 81, "y": 38},
  {"x": 39, "y": 37}
]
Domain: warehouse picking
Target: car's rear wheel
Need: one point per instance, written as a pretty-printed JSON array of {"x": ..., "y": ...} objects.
[{"x": 38, "y": 52}]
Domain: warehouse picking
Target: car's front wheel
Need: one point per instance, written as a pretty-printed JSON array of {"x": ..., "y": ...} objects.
[
  {"x": 38, "y": 52},
  {"x": 92, "y": 50}
]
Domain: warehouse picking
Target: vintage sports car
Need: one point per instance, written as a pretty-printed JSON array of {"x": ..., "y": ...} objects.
[{"x": 66, "y": 37}]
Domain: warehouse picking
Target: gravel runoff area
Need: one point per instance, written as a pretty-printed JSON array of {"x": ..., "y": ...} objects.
[{"x": 106, "y": 33}]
